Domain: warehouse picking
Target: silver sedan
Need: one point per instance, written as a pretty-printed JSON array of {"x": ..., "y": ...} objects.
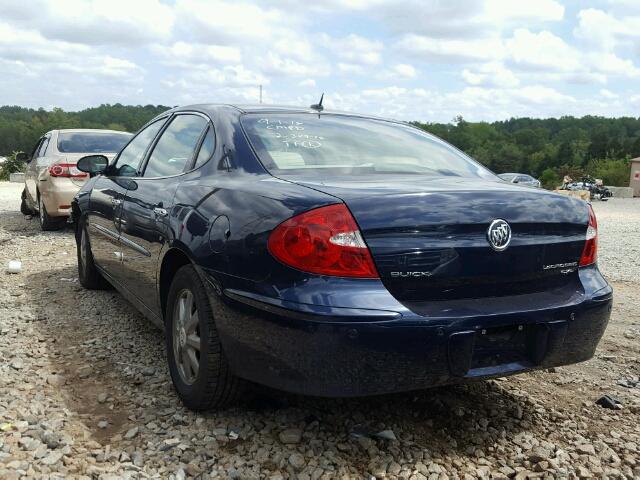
[{"x": 521, "y": 179}]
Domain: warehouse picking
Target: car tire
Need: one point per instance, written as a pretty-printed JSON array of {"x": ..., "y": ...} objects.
[
  {"x": 201, "y": 377},
  {"x": 89, "y": 276},
  {"x": 24, "y": 207},
  {"x": 48, "y": 223}
]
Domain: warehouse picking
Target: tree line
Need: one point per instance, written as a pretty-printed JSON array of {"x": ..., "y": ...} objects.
[
  {"x": 549, "y": 148},
  {"x": 20, "y": 128},
  {"x": 545, "y": 148}
]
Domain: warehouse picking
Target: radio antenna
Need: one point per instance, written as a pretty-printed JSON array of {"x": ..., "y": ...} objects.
[{"x": 318, "y": 106}]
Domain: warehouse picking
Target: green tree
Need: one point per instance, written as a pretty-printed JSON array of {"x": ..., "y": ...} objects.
[
  {"x": 612, "y": 172},
  {"x": 11, "y": 165},
  {"x": 550, "y": 179},
  {"x": 21, "y": 127}
]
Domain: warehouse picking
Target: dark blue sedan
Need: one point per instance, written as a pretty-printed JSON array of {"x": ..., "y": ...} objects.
[{"x": 334, "y": 254}]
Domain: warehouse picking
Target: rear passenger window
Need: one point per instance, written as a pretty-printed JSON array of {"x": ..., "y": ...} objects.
[
  {"x": 34, "y": 154},
  {"x": 176, "y": 147},
  {"x": 43, "y": 147},
  {"x": 207, "y": 148}
]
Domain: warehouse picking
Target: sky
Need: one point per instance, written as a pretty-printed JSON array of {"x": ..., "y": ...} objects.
[{"x": 425, "y": 60}]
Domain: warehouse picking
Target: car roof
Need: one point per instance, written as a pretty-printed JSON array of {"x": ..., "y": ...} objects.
[
  {"x": 264, "y": 108},
  {"x": 89, "y": 130}
]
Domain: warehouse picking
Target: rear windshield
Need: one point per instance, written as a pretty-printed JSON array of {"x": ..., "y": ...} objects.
[
  {"x": 91, "y": 142},
  {"x": 334, "y": 144}
]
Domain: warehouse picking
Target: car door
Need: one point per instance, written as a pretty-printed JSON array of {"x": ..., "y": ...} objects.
[
  {"x": 145, "y": 225},
  {"x": 107, "y": 195}
]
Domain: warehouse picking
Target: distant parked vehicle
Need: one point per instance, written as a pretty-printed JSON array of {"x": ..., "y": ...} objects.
[
  {"x": 520, "y": 179},
  {"x": 51, "y": 177}
]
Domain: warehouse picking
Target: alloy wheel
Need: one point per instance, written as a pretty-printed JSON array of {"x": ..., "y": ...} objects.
[{"x": 186, "y": 336}]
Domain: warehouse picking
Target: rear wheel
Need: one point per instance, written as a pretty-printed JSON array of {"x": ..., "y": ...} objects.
[
  {"x": 198, "y": 366},
  {"x": 24, "y": 207},
  {"x": 90, "y": 278},
  {"x": 48, "y": 223}
]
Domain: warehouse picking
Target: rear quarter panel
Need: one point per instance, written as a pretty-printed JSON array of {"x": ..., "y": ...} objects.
[{"x": 224, "y": 221}]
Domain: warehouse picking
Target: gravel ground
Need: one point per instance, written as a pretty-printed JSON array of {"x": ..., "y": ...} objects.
[{"x": 85, "y": 392}]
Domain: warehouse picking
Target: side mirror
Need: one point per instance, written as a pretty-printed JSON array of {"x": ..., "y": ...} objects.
[
  {"x": 93, "y": 164},
  {"x": 515, "y": 180},
  {"x": 22, "y": 157}
]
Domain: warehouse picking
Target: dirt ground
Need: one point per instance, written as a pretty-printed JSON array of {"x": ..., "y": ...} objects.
[{"x": 85, "y": 392}]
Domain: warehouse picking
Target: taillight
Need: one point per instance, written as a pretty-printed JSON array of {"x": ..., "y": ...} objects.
[
  {"x": 66, "y": 170},
  {"x": 325, "y": 241},
  {"x": 590, "y": 250}
]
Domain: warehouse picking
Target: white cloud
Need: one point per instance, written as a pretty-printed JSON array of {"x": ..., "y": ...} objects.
[
  {"x": 451, "y": 51},
  {"x": 493, "y": 74},
  {"x": 425, "y": 59},
  {"x": 611, "y": 64},
  {"x": 220, "y": 21},
  {"x": 183, "y": 53},
  {"x": 541, "y": 51},
  {"x": 602, "y": 31},
  {"x": 404, "y": 70},
  {"x": 29, "y": 45},
  {"x": 474, "y": 103},
  {"x": 350, "y": 68},
  {"x": 524, "y": 11},
  {"x": 354, "y": 49},
  {"x": 94, "y": 22},
  {"x": 278, "y": 65},
  {"x": 462, "y": 19},
  {"x": 397, "y": 72},
  {"x": 538, "y": 94},
  {"x": 29, "y": 60}
]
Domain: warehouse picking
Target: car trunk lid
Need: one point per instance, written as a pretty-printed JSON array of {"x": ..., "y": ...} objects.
[{"x": 428, "y": 237}]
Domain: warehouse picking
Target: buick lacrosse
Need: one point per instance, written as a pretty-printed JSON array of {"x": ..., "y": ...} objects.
[{"x": 334, "y": 254}]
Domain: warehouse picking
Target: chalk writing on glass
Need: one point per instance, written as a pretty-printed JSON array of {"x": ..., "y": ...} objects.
[
  {"x": 294, "y": 136},
  {"x": 302, "y": 144},
  {"x": 284, "y": 127},
  {"x": 277, "y": 124}
]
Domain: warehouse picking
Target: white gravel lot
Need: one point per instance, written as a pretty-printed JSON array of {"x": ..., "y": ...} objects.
[{"x": 85, "y": 393}]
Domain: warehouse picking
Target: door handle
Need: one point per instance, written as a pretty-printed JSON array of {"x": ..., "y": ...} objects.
[{"x": 160, "y": 212}]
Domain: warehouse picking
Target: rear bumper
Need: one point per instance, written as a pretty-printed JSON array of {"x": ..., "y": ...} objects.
[
  {"x": 365, "y": 352},
  {"x": 57, "y": 194}
]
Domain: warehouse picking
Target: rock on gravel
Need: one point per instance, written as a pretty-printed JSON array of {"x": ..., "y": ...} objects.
[
  {"x": 291, "y": 436},
  {"x": 85, "y": 393}
]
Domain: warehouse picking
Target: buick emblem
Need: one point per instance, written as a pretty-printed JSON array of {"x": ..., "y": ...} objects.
[{"x": 499, "y": 235}]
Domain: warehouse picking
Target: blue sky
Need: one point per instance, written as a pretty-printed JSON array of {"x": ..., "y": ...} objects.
[{"x": 425, "y": 60}]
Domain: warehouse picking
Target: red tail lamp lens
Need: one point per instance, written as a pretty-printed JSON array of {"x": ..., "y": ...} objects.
[
  {"x": 57, "y": 171},
  {"x": 67, "y": 170},
  {"x": 590, "y": 251},
  {"x": 325, "y": 241}
]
